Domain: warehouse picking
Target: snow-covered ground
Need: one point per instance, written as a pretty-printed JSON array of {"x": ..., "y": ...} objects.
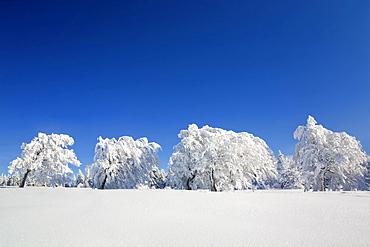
[{"x": 86, "y": 217}]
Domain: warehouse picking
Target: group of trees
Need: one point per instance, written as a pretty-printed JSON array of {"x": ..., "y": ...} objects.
[
  {"x": 120, "y": 164},
  {"x": 76, "y": 180},
  {"x": 205, "y": 158}
]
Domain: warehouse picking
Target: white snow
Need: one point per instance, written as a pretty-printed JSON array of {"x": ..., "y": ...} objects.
[
  {"x": 219, "y": 160},
  {"x": 86, "y": 217}
]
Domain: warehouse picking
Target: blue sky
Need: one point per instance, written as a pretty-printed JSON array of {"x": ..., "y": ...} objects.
[{"x": 151, "y": 68}]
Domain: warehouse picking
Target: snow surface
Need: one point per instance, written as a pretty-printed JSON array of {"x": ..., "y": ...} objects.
[{"x": 86, "y": 217}]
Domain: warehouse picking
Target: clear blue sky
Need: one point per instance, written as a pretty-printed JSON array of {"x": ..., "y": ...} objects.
[{"x": 150, "y": 68}]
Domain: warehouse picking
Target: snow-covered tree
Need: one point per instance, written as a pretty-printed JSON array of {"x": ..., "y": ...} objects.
[
  {"x": 14, "y": 179},
  {"x": 329, "y": 160},
  {"x": 124, "y": 163},
  {"x": 158, "y": 179},
  {"x": 88, "y": 178},
  {"x": 72, "y": 182},
  {"x": 80, "y": 179},
  {"x": 9, "y": 179},
  {"x": 45, "y": 160},
  {"x": 367, "y": 174},
  {"x": 3, "y": 180},
  {"x": 290, "y": 175},
  {"x": 216, "y": 159},
  {"x": 64, "y": 179}
]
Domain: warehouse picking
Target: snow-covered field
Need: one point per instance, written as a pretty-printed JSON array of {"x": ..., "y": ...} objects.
[{"x": 86, "y": 217}]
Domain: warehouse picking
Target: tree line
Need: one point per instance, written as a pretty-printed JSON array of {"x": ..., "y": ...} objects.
[{"x": 205, "y": 158}]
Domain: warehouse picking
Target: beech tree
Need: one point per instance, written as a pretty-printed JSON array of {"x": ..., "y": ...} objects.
[
  {"x": 45, "y": 159},
  {"x": 124, "y": 163},
  {"x": 329, "y": 160},
  {"x": 216, "y": 159}
]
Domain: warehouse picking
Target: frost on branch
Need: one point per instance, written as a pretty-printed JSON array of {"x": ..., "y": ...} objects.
[
  {"x": 329, "y": 160},
  {"x": 124, "y": 163},
  {"x": 216, "y": 159},
  {"x": 45, "y": 160}
]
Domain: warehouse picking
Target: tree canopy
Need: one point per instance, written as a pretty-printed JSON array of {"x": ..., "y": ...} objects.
[
  {"x": 45, "y": 160},
  {"x": 329, "y": 160},
  {"x": 216, "y": 159},
  {"x": 124, "y": 163}
]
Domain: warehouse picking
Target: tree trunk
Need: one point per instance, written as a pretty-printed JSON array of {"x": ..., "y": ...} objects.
[
  {"x": 323, "y": 184},
  {"x": 213, "y": 181},
  {"x": 103, "y": 183},
  {"x": 23, "y": 182},
  {"x": 188, "y": 182}
]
